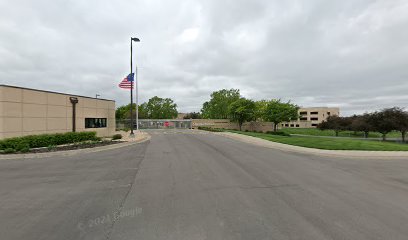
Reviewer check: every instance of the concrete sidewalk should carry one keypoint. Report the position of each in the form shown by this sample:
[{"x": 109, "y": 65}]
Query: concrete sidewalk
[{"x": 314, "y": 151}]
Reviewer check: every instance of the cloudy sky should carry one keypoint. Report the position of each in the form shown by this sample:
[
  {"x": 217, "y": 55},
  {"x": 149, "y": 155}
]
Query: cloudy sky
[{"x": 347, "y": 53}]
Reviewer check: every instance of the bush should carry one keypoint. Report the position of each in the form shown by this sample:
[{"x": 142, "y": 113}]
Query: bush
[
  {"x": 23, "y": 147},
  {"x": 210, "y": 129},
  {"x": 9, "y": 150},
  {"x": 117, "y": 136},
  {"x": 278, "y": 133},
  {"x": 44, "y": 140},
  {"x": 51, "y": 147}
]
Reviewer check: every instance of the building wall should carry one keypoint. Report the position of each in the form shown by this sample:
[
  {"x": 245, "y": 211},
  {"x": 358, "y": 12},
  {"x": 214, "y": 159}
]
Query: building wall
[
  {"x": 28, "y": 112},
  {"x": 311, "y": 117}
]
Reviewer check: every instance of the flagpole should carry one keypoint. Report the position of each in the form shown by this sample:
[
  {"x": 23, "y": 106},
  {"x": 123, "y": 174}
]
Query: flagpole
[
  {"x": 131, "y": 89},
  {"x": 137, "y": 99}
]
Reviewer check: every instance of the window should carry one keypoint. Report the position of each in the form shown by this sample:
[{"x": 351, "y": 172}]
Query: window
[
  {"x": 95, "y": 122},
  {"x": 314, "y": 125},
  {"x": 286, "y": 125},
  {"x": 303, "y": 113},
  {"x": 292, "y": 125},
  {"x": 297, "y": 125},
  {"x": 314, "y": 119},
  {"x": 314, "y": 113},
  {"x": 328, "y": 113},
  {"x": 303, "y": 119}
]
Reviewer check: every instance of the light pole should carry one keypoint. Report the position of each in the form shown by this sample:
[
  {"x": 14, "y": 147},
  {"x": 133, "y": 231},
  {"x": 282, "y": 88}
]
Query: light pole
[{"x": 131, "y": 85}]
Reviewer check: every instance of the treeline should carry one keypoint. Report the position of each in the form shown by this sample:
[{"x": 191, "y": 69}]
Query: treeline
[
  {"x": 155, "y": 108},
  {"x": 228, "y": 104},
  {"x": 384, "y": 122}
]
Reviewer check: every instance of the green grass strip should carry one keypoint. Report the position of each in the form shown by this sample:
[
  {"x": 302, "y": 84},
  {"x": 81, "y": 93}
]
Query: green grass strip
[{"x": 330, "y": 143}]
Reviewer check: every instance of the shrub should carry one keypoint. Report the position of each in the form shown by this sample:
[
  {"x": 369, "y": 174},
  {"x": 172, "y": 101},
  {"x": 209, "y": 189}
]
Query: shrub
[
  {"x": 117, "y": 136},
  {"x": 210, "y": 129},
  {"x": 9, "y": 150},
  {"x": 23, "y": 147},
  {"x": 278, "y": 133},
  {"x": 51, "y": 147},
  {"x": 44, "y": 140}
]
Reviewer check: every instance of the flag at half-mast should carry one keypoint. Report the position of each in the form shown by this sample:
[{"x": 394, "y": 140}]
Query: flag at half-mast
[{"x": 127, "y": 82}]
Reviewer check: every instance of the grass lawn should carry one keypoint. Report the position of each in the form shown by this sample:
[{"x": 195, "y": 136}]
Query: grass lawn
[
  {"x": 317, "y": 132},
  {"x": 330, "y": 143}
]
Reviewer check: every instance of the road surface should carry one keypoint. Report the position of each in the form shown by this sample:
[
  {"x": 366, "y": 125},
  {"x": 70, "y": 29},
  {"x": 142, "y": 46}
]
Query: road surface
[{"x": 196, "y": 185}]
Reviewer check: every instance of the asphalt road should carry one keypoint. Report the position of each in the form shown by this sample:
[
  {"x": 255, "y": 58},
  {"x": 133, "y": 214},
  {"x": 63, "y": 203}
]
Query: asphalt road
[{"x": 184, "y": 185}]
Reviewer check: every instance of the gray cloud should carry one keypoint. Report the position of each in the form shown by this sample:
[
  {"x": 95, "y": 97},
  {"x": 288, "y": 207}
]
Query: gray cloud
[{"x": 350, "y": 54}]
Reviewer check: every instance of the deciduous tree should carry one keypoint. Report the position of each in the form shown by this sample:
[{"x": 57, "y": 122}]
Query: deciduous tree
[
  {"x": 161, "y": 108},
  {"x": 336, "y": 124},
  {"x": 242, "y": 110},
  {"x": 360, "y": 123},
  {"x": 217, "y": 107},
  {"x": 277, "y": 112}
]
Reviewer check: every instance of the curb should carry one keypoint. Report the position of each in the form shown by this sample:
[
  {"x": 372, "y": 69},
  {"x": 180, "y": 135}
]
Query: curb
[
  {"x": 73, "y": 152},
  {"x": 313, "y": 151}
]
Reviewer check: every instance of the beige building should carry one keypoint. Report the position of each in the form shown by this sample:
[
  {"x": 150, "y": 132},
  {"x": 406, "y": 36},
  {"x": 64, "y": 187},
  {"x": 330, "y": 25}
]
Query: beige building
[
  {"x": 25, "y": 111},
  {"x": 311, "y": 117}
]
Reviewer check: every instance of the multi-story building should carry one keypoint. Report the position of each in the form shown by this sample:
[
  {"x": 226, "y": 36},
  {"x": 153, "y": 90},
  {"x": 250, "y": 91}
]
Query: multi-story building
[
  {"x": 311, "y": 117},
  {"x": 25, "y": 111}
]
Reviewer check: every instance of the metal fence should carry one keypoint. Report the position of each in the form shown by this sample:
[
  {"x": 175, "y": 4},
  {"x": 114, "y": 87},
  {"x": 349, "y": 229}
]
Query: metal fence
[{"x": 156, "y": 123}]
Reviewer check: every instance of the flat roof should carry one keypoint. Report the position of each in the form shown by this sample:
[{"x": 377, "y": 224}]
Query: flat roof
[{"x": 38, "y": 90}]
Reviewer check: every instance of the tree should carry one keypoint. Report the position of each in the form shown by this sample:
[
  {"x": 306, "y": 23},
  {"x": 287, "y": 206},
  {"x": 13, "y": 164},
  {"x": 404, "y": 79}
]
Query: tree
[
  {"x": 335, "y": 123},
  {"x": 123, "y": 112},
  {"x": 160, "y": 108},
  {"x": 260, "y": 108},
  {"x": 361, "y": 123},
  {"x": 242, "y": 110},
  {"x": 277, "y": 112},
  {"x": 192, "y": 115},
  {"x": 398, "y": 118},
  {"x": 383, "y": 122},
  {"x": 217, "y": 107}
]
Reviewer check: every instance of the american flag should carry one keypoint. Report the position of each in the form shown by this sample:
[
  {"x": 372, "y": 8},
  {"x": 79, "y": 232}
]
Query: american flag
[{"x": 127, "y": 82}]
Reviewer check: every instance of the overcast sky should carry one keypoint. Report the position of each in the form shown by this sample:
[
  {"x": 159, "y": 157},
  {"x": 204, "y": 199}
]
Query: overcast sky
[{"x": 347, "y": 53}]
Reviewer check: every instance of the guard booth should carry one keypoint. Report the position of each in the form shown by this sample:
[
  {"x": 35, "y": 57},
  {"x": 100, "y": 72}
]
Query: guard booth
[{"x": 165, "y": 124}]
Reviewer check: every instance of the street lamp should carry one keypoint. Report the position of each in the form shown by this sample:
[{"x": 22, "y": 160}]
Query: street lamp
[{"x": 132, "y": 39}]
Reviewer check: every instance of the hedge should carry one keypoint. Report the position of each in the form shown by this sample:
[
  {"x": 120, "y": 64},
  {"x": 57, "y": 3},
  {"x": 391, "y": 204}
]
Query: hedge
[
  {"x": 44, "y": 140},
  {"x": 211, "y": 129},
  {"x": 278, "y": 133}
]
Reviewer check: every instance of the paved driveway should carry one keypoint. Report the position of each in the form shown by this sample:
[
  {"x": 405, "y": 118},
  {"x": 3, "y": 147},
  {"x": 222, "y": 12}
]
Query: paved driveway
[{"x": 195, "y": 185}]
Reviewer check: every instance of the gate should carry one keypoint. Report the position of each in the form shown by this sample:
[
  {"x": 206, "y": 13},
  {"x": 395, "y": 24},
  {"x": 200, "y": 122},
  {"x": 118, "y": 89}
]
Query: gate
[
  {"x": 165, "y": 123},
  {"x": 156, "y": 124}
]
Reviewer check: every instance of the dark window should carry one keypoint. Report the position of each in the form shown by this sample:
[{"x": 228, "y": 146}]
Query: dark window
[
  {"x": 314, "y": 118},
  {"x": 328, "y": 113},
  {"x": 292, "y": 125},
  {"x": 297, "y": 125},
  {"x": 303, "y": 113},
  {"x": 95, "y": 122},
  {"x": 314, "y": 125},
  {"x": 303, "y": 119},
  {"x": 314, "y": 113}
]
